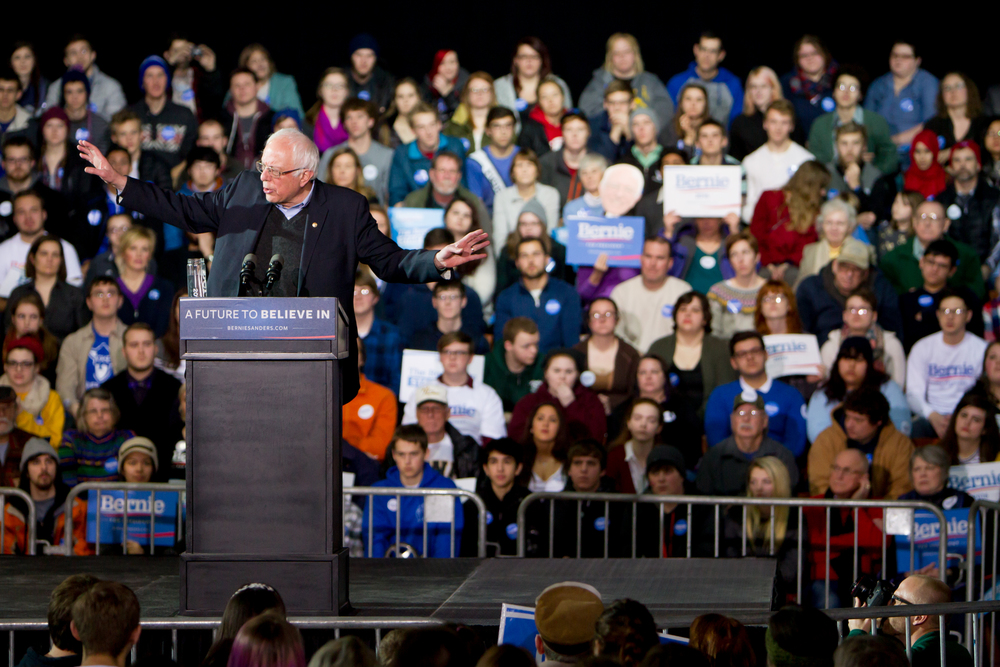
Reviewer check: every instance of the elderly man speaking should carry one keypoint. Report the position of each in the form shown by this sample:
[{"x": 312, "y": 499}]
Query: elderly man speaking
[{"x": 321, "y": 230}]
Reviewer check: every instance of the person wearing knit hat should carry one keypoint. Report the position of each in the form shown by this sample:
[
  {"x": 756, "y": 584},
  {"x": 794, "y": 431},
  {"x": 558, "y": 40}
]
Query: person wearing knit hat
[
  {"x": 509, "y": 202},
  {"x": 532, "y": 221},
  {"x": 970, "y": 202},
  {"x": 36, "y": 447},
  {"x": 646, "y": 151},
  {"x": 40, "y": 409},
  {"x": 566, "y": 617},
  {"x": 169, "y": 129},
  {"x": 368, "y": 81},
  {"x": 801, "y": 637},
  {"x": 137, "y": 460}
]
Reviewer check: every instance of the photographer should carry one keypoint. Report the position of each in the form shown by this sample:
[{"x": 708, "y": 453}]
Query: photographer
[{"x": 925, "y": 633}]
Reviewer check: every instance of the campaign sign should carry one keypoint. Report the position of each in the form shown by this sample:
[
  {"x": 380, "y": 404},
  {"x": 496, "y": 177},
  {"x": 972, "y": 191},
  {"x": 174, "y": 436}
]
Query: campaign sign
[
  {"x": 112, "y": 515},
  {"x": 410, "y": 225},
  {"x": 259, "y": 318},
  {"x": 696, "y": 191},
  {"x": 619, "y": 238},
  {"x": 422, "y": 367},
  {"x": 791, "y": 354},
  {"x": 979, "y": 480},
  {"x": 927, "y": 529}
]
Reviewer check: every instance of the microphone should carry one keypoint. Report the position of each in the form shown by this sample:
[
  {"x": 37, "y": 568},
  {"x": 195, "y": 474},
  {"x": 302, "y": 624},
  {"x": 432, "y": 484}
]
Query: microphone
[
  {"x": 248, "y": 270},
  {"x": 274, "y": 271}
]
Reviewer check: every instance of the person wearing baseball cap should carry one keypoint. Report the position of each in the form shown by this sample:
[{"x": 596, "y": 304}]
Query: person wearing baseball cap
[
  {"x": 450, "y": 452},
  {"x": 968, "y": 201},
  {"x": 566, "y": 617},
  {"x": 723, "y": 470},
  {"x": 821, "y": 298}
]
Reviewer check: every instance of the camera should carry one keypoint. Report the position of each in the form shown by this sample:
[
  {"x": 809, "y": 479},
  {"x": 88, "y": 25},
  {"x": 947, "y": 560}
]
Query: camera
[
  {"x": 873, "y": 592},
  {"x": 197, "y": 52}
]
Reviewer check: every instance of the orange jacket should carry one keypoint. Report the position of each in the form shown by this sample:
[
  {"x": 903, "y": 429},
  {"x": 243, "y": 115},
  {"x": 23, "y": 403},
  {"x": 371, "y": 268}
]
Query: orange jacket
[
  {"x": 15, "y": 533},
  {"x": 370, "y": 419}
]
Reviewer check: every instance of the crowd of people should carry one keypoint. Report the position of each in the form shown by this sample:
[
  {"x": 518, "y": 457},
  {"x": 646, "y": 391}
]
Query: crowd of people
[
  {"x": 95, "y": 622},
  {"x": 870, "y": 220}
]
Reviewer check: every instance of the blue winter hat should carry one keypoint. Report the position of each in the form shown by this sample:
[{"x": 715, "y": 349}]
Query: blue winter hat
[
  {"x": 73, "y": 75},
  {"x": 287, "y": 113},
  {"x": 153, "y": 61},
  {"x": 363, "y": 41}
]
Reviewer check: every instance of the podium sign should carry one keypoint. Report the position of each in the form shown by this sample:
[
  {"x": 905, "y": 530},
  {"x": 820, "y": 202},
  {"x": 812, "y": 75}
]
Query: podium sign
[{"x": 263, "y": 470}]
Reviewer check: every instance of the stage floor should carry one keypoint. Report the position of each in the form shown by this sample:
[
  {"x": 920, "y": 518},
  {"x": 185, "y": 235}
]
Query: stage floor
[{"x": 463, "y": 590}]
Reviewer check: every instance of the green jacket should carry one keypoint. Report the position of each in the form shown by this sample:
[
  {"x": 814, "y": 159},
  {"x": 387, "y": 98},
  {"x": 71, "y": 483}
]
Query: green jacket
[
  {"x": 902, "y": 269},
  {"x": 880, "y": 143},
  {"x": 511, "y": 387},
  {"x": 926, "y": 651}
]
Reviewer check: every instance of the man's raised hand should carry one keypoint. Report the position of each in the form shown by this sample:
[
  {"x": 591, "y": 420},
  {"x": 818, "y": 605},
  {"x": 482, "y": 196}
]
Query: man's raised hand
[
  {"x": 100, "y": 166},
  {"x": 466, "y": 249}
]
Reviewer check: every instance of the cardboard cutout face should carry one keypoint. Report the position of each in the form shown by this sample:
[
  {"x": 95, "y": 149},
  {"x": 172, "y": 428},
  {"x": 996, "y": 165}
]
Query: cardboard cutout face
[{"x": 620, "y": 189}]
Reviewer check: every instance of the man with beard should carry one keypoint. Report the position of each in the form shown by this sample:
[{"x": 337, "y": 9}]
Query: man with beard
[
  {"x": 850, "y": 173},
  {"x": 12, "y": 439},
  {"x": 40, "y": 479},
  {"x": 971, "y": 205}
]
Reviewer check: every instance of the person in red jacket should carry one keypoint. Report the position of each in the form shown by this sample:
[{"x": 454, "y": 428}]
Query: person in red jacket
[
  {"x": 784, "y": 221},
  {"x": 848, "y": 481},
  {"x": 562, "y": 385}
]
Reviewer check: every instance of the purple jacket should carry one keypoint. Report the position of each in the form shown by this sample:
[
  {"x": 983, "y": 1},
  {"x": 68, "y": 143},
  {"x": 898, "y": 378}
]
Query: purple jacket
[{"x": 589, "y": 292}]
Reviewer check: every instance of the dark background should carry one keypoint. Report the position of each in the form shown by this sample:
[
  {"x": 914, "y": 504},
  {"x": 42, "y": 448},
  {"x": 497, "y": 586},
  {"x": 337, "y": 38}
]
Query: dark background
[{"x": 304, "y": 39}]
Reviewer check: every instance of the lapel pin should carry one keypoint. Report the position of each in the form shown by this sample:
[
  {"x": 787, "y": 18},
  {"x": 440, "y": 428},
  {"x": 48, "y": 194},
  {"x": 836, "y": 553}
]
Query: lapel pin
[{"x": 315, "y": 224}]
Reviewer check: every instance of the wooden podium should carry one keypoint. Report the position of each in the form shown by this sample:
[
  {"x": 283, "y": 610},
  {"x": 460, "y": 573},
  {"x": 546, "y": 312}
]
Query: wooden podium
[{"x": 264, "y": 496}]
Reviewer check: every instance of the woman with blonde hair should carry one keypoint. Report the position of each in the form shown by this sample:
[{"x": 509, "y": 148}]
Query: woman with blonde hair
[
  {"x": 746, "y": 134},
  {"x": 784, "y": 221},
  {"x": 771, "y": 531},
  {"x": 146, "y": 297},
  {"x": 468, "y": 123},
  {"x": 623, "y": 60}
]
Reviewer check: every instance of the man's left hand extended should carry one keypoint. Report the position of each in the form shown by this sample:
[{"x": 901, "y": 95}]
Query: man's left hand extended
[{"x": 466, "y": 249}]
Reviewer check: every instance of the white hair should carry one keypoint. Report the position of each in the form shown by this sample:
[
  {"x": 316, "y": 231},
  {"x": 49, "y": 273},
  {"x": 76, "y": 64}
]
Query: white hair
[
  {"x": 837, "y": 204},
  {"x": 591, "y": 160},
  {"x": 304, "y": 152},
  {"x": 626, "y": 171}
]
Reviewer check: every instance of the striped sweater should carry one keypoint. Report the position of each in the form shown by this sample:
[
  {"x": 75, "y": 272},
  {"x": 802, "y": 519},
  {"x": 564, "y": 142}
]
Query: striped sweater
[{"x": 87, "y": 458}]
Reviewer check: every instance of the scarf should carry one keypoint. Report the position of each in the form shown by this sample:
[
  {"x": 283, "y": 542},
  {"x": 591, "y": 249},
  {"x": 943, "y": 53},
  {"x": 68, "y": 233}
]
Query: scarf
[
  {"x": 929, "y": 182},
  {"x": 326, "y": 135},
  {"x": 37, "y": 396},
  {"x": 803, "y": 85},
  {"x": 876, "y": 336}
]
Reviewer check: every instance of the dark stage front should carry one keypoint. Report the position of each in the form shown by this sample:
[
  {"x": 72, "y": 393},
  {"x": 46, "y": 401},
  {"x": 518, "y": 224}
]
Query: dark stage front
[{"x": 465, "y": 590}]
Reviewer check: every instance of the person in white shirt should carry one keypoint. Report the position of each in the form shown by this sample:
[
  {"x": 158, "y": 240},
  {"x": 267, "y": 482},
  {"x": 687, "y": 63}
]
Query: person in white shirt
[
  {"x": 770, "y": 166},
  {"x": 29, "y": 218},
  {"x": 646, "y": 302},
  {"x": 476, "y": 409},
  {"x": 942, "y": 367}
]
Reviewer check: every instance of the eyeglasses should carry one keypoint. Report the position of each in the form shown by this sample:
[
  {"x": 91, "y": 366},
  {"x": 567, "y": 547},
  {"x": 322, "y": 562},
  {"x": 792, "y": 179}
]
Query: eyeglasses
[
  {"x": 928, "y": 216},
  {"x": 363, "y": 291},
  {"x": 105, "y": 295},
  {"x": 772, "y": 298},
  {"x": 455, "y": 353},
  {"x": 751, "y": 413},
  {"x": 858, "y": 311},
  {"x": 23, "y": 365},
  {"x": 447, "y": 297},
  {"x": 899, "y": 600},
  {"x": 844, "y": 88},
  {"x": 953, "y": 311},
  {"x": 18, "y": 160},
  {"x": 274, "y": 172},
  {"x": 746, "y": 354},
  {"x": 608, "y": 314}
]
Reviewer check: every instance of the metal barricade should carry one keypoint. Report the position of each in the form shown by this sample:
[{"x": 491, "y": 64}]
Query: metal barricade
[
  {"x": 378, "y": 624},
  {"x": 31, "y": 520},
  {"x": 717, "y": 502},
  {"x": 980, "y": 523},
  {"x": 126, "y": 488},
  {"x": 399, "y": 492}
]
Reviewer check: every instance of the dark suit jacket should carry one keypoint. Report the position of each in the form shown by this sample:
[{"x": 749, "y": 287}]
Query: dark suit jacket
[
  {"x": 155, "y": 419},
  {"x": 340, "y": 234}
]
